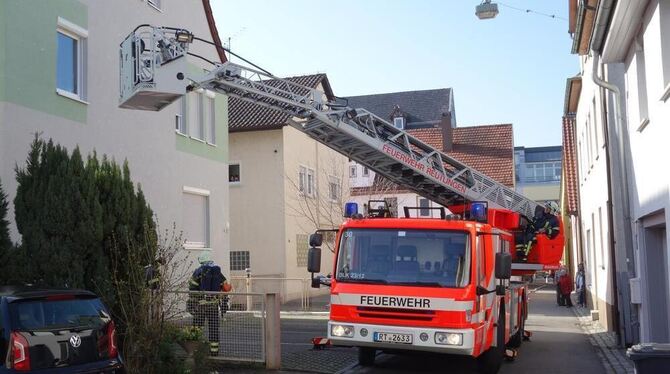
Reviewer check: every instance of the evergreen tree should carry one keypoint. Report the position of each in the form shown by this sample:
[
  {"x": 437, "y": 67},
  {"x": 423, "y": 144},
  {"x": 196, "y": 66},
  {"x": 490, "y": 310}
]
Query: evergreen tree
[
  {"x": 5, "y": 241},
  {"x": 59, "y": 217}
]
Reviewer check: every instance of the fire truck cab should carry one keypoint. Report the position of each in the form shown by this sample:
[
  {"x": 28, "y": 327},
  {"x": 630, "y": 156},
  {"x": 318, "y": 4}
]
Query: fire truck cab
[{"x": 439, "y": 285}]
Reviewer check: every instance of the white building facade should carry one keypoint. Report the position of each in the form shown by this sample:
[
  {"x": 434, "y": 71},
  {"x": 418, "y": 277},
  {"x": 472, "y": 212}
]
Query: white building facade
[
  {"x": 59, "y": 78},
  {"x": 629, "y": 44}
]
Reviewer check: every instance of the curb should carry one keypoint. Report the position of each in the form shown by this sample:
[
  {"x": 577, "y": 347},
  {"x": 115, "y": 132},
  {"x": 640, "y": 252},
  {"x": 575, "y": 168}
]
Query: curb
[{"x": 612, "y": 356}]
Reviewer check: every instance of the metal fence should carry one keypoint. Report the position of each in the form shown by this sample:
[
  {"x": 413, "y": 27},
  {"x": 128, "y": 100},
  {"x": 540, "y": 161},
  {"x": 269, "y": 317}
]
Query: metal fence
[
  {"x": 295, "y": 294},
  {"x": 234, "y": 331}
]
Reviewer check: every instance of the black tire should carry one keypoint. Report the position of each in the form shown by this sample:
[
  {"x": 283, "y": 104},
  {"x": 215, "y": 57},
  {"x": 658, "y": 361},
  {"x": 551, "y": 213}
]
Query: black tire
[
  {"x": 366, "y": 356},
  {"x": 515, "y": 341},
  {"x": 489, "y": 362}
]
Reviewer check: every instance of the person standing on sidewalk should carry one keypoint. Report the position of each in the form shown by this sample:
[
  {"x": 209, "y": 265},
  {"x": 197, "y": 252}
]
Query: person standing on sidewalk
[
  {"x": 566, "y": 286},
  {"x": 580, "y": 284}
]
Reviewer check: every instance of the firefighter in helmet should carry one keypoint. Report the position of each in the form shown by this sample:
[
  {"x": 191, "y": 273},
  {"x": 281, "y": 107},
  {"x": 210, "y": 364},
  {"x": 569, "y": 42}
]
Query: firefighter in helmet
[
  {"x": 205, "y": 307},
  {"x": 546, "y": 223}
]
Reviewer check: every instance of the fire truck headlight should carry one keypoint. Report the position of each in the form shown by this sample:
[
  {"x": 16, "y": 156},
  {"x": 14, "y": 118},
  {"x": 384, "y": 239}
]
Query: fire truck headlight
[
  {"x": 342, "y": 331},
  {"x": 448, "y": 338}
]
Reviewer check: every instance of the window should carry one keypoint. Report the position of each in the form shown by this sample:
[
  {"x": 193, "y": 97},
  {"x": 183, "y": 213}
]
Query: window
[
  {"x": 399, "y": 122},
  {"x": 352, "y": 171},
  {"x": 199, "y": 110},
  {"x": 602, "y": 241},
  {"x": 234, "y": 173},
  {"x": 424, "y": 204},
  {"x": 239, "y": 260},
  {"x": 642, "y": 89},
  {"x": 542, "y": 171},
  {"x": 404, "y": 257},
  {"x": 481, "y": 262},
  {"x": 306, "y": 181},
  {"x": 334, "y": 188},
  {"x": 179, "y": 120},
  {"x": 195, "y": 217},
  {"x": 589, "y": 141},
  {"x": 301, "y": 248},
  {"x": 71, "y": 60},
  {"x": 596, "y": 150},
  {"x": 366, "y": 171}
]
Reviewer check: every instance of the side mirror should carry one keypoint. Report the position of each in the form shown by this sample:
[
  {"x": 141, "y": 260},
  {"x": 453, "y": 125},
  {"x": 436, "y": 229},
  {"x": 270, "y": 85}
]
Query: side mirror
[
  {"x": 314, "y": 260},
  {"x": 315, "y": 240},
  {"x": 503, "y": 265}
]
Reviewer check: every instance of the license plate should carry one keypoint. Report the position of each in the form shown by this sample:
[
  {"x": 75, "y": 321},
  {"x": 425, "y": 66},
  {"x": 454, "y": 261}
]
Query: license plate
[{"x": 388, "y": 337}]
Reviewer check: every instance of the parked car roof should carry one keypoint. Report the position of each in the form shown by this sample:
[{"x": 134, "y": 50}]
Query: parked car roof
[{"x": 33, "y": 291}]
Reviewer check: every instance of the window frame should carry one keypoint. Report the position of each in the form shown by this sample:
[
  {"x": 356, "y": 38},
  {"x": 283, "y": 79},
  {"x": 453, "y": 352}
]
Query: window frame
[
  {"x": 353, "y": 171},
  {"x": 399, "y": 120},
  {"x": 235, "y": 261},
  {"x": 208, "y": 219},
  {"x": 306, "y": 181},
  {"x": 80, "y": 36},
  {"x": 239, "y": 172},
  {"x": 366, "y": 172},
  {"x": 334, "y": 181},
  {"x": 427, "y": 209}
]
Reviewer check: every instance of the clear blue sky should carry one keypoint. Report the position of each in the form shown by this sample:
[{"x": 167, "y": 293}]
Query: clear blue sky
[{"x": 511, "y": 69}]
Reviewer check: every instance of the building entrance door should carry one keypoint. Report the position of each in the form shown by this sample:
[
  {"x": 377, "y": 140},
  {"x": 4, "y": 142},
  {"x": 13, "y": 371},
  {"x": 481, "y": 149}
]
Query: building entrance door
[{"x": 656, "y": 272}]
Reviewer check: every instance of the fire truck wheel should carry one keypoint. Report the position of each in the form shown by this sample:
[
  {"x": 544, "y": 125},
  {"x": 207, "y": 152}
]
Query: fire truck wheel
[
  {"x": 515, "y": 341},
  {"x": 489, "y": 362},
  {"x": 366, "y": 356}
]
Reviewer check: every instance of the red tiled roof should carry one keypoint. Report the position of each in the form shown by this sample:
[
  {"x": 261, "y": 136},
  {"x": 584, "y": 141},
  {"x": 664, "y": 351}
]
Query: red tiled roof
[
  {"x": 570, "y": 165},
  {"x": 212, "y": 29},
  {"x": 488, "y": 149},
  {"x": 248, "y": 116}
]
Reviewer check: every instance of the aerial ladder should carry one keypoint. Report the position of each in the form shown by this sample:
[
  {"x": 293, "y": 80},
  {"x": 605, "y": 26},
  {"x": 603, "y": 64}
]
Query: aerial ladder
[{"x": 154, "y": 73}]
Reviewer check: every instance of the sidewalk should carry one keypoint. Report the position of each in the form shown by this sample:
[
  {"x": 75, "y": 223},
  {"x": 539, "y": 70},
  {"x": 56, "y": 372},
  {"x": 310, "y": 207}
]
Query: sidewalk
[{"x": 612, "y": 356}]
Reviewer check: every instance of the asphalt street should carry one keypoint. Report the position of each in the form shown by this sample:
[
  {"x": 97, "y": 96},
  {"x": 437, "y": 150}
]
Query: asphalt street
[{"x": 558, "y": 345}]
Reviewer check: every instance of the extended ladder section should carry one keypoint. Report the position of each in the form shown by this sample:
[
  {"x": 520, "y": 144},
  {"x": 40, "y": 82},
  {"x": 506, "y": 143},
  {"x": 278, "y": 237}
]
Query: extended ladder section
[
  {"x": 355, "y": 133},
  {"x": 368, "y": 140}
]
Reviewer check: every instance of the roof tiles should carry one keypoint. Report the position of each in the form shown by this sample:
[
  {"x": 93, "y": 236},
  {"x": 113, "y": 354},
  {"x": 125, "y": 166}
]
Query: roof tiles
[
  {"x": 247, "y": 116},
  {"x": 570, "y": 165}
]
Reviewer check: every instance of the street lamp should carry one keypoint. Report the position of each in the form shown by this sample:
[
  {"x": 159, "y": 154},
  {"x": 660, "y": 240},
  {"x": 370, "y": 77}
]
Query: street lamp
[{"x": 486, "y": 10}]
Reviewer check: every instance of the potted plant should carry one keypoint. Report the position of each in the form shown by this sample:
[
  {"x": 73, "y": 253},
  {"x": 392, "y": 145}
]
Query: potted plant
[{"x": 189, "y": 338}]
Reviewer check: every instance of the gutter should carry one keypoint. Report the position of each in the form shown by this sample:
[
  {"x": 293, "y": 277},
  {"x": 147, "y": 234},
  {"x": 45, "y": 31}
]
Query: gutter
[{"x": 581, "y": 11}]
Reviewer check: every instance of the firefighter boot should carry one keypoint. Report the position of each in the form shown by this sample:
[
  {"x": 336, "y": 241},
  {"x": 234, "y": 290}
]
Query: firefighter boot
[{"x": 214, "y": 348}]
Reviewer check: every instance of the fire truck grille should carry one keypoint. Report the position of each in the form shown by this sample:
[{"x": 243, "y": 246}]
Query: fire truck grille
[{"x": 395, "y": 313}]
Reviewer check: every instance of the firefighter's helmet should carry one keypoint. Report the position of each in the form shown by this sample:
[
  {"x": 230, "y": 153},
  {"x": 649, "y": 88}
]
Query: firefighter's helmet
[{"x": 552, "y": 207}]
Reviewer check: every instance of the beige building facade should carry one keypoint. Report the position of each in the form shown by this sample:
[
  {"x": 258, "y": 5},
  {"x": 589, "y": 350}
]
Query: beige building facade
[{"x": 283, "y": 186}]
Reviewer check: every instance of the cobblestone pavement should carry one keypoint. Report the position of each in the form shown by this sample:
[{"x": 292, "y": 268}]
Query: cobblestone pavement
[{"x": 612, "y": 356}]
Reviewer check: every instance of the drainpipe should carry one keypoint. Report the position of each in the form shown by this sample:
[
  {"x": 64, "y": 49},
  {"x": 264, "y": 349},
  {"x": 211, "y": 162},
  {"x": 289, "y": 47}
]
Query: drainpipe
[{"x": 622, "y": 231}]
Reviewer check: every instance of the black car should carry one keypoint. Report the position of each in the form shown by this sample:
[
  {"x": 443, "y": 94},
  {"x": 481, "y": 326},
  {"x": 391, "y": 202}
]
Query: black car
[{"x": 56, "y": 331}]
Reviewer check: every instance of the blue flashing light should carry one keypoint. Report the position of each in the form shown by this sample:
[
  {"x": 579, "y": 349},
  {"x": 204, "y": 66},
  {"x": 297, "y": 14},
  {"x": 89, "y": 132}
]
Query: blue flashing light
[
  {"x": 350, "y": 209},
  {"x": 479, "y": 211}
]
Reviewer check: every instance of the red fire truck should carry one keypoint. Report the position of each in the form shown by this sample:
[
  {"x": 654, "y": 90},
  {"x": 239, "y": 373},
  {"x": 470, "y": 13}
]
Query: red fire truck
[{"x": 438, "y": 285}]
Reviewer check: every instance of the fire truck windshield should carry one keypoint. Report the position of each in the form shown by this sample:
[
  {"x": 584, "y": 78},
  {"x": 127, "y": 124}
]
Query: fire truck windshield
[{"x": 404, "y": 257}]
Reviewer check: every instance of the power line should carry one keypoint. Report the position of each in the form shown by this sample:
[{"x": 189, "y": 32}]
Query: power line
[{"x": 533, "y": 11}]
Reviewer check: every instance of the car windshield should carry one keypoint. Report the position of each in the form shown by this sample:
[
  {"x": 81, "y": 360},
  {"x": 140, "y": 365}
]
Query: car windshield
[
  {"x": 407, "y": 257},
  {"x": 35, "y": 315}
]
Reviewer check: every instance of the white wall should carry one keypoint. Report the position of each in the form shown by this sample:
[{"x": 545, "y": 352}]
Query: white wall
[{"x": 647, "y": 77}]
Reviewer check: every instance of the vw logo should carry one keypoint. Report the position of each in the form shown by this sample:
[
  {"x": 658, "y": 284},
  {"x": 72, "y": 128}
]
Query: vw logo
[{"x": 75, "y": 340}]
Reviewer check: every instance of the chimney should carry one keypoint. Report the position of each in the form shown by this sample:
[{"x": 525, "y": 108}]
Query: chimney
[{"x": 447, "y": 133}]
